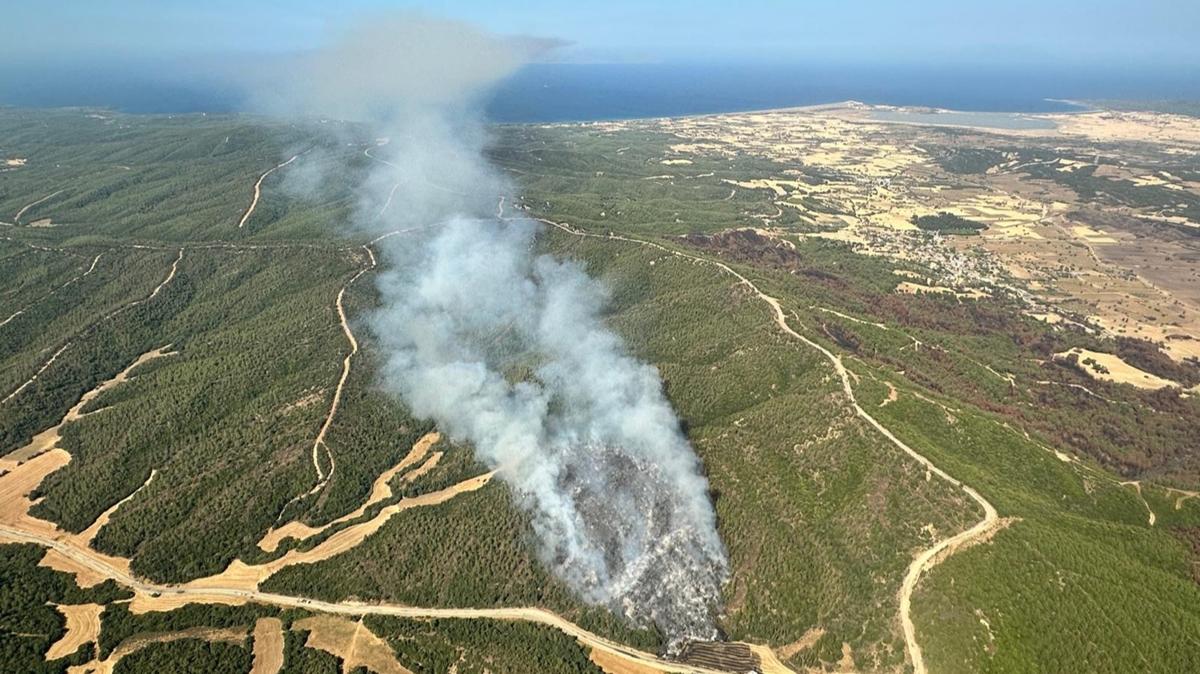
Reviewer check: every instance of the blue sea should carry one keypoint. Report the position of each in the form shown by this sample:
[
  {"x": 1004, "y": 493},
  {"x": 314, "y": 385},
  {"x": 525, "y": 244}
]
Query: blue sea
[{"x": 585, "y": 92}]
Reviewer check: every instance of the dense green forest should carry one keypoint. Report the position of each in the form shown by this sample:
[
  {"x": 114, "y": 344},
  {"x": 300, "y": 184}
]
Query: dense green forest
[
  {"x": 947, "y": 223},
  {"x": 481, "y": 646}
]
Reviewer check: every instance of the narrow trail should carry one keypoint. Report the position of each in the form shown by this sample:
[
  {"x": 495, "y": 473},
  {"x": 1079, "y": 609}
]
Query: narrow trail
[
  {"x": 390, "y": 196},
  {"x": 258, "y": 189},
  {"x": 157, "y": 289},
  {"x": 88, "y": 535},
  {"x": 37, "y": 374},
  {"x": 170, "y": 276},
  {"x": 1137, "y": 486},
  {"x": 53, "y": 292},
  {"x": 929, "y": 557},
  {"x": 423, "y": 181},
  {"x": 154, "y": 293},
  {"x": 214, "y": 591},
  {"x": 26, "y": 207},
  {"x": 1181, "y": 495}
]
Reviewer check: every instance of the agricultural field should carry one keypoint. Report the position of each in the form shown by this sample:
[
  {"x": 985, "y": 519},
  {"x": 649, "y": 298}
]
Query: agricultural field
[{"x": 944, "y": 383}]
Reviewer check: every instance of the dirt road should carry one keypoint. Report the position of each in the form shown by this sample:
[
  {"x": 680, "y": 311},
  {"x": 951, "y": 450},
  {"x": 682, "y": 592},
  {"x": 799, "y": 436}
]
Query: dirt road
[
  {"x": 212, "y": 591},
  {"x": 1137, "y": 486},
  {"x": 90, "y": 269},
  {"x": 258, "y": 190},
  {"x": 158, "y": 288},
  {"x": 48, "y": 197},
  {"x": 154, "y": 293},
  {"x": 43, "y": 368},
  {"x": 323, "y": 477}
]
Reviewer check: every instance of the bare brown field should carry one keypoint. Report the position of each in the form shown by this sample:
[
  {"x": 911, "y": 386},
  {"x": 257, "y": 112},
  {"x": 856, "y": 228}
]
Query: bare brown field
[
  {"x": 248, "y": 577},
  {"x": 351, "y": 641},
  {"x": 613, "y": 664},
  {"x": 1114, "y": 127},
  {"x": 83, "y": 625},
  {"x": 85, "y": 576},
  {"x": 268, "y": 646},
  {"x": 28, "y": 466},
  {"x": 1115, "y": 369},
  {"x": 423, "y": 469}
]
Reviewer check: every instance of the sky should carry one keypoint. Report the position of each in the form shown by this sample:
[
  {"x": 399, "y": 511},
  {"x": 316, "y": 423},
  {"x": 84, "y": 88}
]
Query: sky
[{"x": 849, "y": 31}]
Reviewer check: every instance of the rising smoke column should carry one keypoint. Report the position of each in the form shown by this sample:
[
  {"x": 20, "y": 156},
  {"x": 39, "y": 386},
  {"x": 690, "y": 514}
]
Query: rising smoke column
[{"x": 506, "y": 348}]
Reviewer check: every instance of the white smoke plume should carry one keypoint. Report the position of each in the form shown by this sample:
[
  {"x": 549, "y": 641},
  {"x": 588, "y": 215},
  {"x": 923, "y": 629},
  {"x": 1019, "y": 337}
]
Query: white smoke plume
[{"x": 506, "y": 348}]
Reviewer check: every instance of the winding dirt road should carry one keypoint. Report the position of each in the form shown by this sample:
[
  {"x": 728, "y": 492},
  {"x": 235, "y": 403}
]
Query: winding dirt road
[
  {"x": 165, "y": 282},
  {"x": 1137, "y": 487},
  {"x": 48, "y": 197},
  {"x": 258, "y": 189},
  {"x": 388, "y": 203},
  {"x": 323, "y": 477},
  {"x": 929, "y": 557}
]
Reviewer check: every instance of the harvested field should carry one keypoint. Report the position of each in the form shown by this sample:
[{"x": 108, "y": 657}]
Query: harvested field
[
  {"x": 85, "y": 576},
  {"x": 351, "y": 641},
  {"x": 612, "y": 664},
  {"x": 1108, "y": 367},
  {"x": 721, "y": 656},
  {"x": 83, "y": 625},
  {"x": 242, "y": 575},
  {"x": 268, "y": 646}
]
